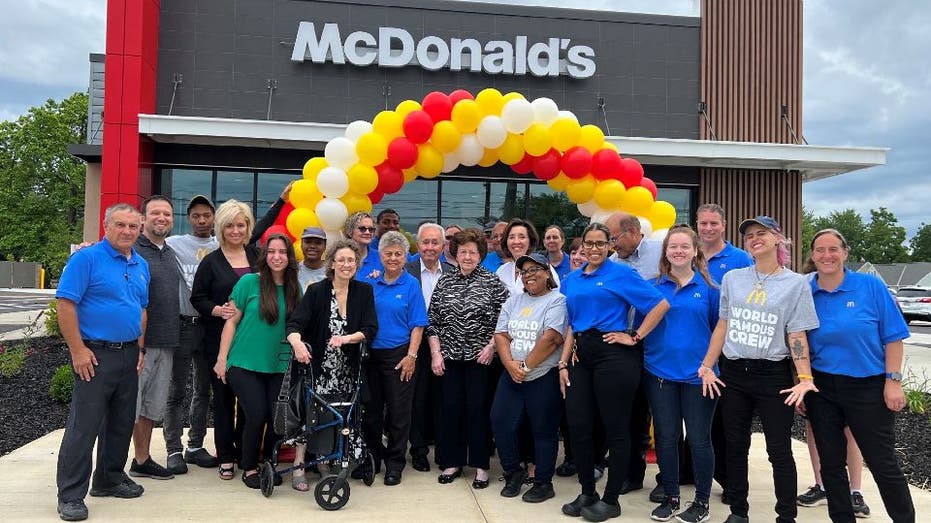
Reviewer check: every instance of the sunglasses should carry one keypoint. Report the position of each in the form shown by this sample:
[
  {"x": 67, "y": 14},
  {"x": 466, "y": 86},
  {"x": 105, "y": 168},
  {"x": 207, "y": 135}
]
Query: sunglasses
[{"x": 365, "y": 229}]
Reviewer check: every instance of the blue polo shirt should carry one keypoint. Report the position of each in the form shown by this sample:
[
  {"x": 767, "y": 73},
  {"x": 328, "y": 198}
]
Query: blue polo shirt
[
  {"x": 675, "y": 348},
  {"x": 728, "y": 259},
  {"x": 600, "y": 299},
  {"x": 400, "y": 308},
  {"x": 492, "y": 261},
  {"x": 857, "y": 319},
  {"x": 109, "y": 290},
  {"x": 562, "y": 269},
  {"x": 371, "y": 263}
]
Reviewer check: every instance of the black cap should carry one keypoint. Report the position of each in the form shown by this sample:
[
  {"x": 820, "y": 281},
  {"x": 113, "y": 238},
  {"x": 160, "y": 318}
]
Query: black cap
[
  {"x": 535, "y": 257},
  {"x": 200, "y": 199}
]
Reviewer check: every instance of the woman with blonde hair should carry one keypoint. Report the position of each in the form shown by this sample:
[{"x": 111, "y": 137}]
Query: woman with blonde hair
[{"x": 360, "y": 228}]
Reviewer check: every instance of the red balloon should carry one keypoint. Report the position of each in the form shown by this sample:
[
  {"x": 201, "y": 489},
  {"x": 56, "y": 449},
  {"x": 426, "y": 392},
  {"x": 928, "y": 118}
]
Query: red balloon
[
  {"x": 576, "y": 162},
  {"x": 276, "y": 229},
  {"x": 524, "y": 166},
  {"x": 418, "y": 126},
  {"x": 282, "y": 218},
  {"x": 546, "y": 167},
  {"x": 606, "y": 164},
  {"x": 460, "y": 94},
  {"x": 631, "y": 172},
  {"x": 376, "y": 196},
  {"x": 402, "y": 153},
  {"x": 649, "y": 185},
  {"x": 390, "y": 179},
  {"x": 438, "y": 106}
]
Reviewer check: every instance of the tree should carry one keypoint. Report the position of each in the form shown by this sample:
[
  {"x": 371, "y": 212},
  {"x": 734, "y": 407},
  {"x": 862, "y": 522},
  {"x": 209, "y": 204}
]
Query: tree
[
  {"x": 848, "y": 223},
  {"x": 552, "y": 209},
  {"x": 41, "y": 185},
  {"x": 920, "y": 244},
  {"x": 808, "y": 231},
  {"x": 884, "y": 238}
]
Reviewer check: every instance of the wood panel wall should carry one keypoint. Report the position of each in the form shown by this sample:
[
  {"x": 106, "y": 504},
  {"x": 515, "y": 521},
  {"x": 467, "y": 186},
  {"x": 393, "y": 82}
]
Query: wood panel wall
[{"x": 751, "y": 55}]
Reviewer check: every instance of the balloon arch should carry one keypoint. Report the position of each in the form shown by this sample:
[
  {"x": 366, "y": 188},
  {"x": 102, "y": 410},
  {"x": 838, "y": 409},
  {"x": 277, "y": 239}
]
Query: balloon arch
[{"x": 443, "y": 132}]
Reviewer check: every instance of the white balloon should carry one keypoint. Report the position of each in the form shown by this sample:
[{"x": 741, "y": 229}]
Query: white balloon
[
  {"x": 568, "y": 114},
  {"x": 545, "y": 110},
  {"x": 333, "y": 182},
  {"x": 450, "y": 162},
  {"x": 332, "y": 214},
  {"x": 357, "y": 129},
  {"x": 601, "y": 216},
  {"x": 470, "y": 150},
  {"x": 659, "y": 234},
  {"x": 588, "y": 208},
  {"x": 491, "y": 132},
  {"x": 341, "y": 152},
  {"x": 517, "y": 115},
  {"x": 646, "y": 227}
]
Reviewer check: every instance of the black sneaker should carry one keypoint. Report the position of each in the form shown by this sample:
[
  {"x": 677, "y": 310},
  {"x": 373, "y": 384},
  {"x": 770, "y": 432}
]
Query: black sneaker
[
  {"x": 200, "y": 457},
  {"x": 539, "y": 493},
  {"x": 813, "y": 497},
  {"x": 566, "y": 469},
  {"x": 860, "y": 508},
  {"x": 125, "y": 489},
  {"x": 176, "y": 464},
  {"x": 149, "y": 469},
  {"x": 513, "y": 481},
  {"x": 658, "y": 494},
  {"x": 72, "y": 510},
  {"x": 697, "y": 512},
  {"x": 667, "y": 509}
]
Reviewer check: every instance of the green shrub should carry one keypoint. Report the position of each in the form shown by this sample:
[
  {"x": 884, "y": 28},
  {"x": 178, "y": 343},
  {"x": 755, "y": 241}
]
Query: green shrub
[
  {"x": 11, "y": 361},
  {"x": 51, "y": 319},
  {"x": 916, "y": 390},
  {"x": 61, "y": 384}
]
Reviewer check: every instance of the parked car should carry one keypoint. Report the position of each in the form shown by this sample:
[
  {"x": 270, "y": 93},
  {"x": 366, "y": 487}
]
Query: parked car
[{"x": 915, "y": 303}]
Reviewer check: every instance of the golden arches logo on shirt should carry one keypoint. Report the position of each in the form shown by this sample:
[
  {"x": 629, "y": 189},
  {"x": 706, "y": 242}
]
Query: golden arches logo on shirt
[
  {"x": 757, "y": 297},
  {"x": 526, "y": 311},
  {"x": 200, "y": 253}
]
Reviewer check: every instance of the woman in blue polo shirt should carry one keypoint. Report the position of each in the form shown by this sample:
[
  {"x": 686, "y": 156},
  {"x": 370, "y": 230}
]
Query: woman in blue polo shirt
[
  {"x": 600, "y": 369},
  {"x": 553, "y": 241},
  {"x": 402, "y": 317},
  {"x": 856, "y": 359},
  {"x": 670, "y": 355},
  {"x": 360, "y": 228}
]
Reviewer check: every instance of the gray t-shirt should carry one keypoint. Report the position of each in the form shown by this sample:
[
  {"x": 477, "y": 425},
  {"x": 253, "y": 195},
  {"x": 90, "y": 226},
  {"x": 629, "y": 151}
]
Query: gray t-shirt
[
  {"x": 525, "y": 318},
  {"x": 760, "y": 316},
  {"x": 190, "y": 250},
  {"x": 307, "y": 276}
]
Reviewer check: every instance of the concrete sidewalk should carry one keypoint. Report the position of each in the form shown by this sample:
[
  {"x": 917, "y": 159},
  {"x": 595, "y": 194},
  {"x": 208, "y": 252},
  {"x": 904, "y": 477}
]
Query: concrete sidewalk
[{"x": 27, "y": 493}]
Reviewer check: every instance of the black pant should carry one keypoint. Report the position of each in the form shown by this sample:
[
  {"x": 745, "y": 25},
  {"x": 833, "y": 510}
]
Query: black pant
[
  {"x": 224, "y": 417},
  {"x": 388, "y": 402},
  {"x": 859, "y": 404},
  {"x": 639, "y": 433},
  {"x": 188, "y": 366},
  {"x": 425, "y": 413},
  {"x": 755, "y": 385},
  {"x": 464, "y": 429},
  {"x": 602, "y": 384},
  {"x": 102, "y": 409},
  {"x": 257, "y": 392}
]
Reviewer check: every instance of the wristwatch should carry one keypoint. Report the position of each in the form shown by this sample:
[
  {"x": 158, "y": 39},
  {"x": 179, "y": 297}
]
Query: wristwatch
[
  {"x": 894, "y": 376},
  {"x": 524, "y": 367}
]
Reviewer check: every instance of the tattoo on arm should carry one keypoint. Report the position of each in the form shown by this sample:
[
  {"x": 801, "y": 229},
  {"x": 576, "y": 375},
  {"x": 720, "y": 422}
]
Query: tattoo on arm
[{"x": 797, "y": 350}]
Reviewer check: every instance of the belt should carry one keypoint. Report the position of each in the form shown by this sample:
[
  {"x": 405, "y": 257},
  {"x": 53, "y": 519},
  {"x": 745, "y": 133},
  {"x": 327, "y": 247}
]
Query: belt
[
  {"x": 98, "y": 344},
  {"x": 190, "y": 320}
]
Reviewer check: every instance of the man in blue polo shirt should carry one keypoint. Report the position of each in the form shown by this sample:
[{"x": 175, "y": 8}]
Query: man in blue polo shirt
[
  {"x": 102, "y": 298},
  {"x": 721, "y": 255}
]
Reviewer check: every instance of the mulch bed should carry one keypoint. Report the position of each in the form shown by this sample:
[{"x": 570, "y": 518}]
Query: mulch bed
[{"x": 27, "y": 412}]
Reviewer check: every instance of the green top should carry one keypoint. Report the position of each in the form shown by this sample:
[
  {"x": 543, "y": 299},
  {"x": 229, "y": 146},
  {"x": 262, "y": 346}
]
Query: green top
[{"x": 257, "y": 344}]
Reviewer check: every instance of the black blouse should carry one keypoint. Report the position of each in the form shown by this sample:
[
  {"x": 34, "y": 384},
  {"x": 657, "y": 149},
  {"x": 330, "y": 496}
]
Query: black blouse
[{"x": 464, "y": 312}]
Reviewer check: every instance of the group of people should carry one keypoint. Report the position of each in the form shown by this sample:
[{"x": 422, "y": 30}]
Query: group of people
[{"x": 481, "y": 343}]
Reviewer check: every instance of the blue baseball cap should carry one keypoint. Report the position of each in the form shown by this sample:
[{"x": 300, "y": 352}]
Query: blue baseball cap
[
  {"x": 535, "y": 257},
  {"x": 313, "y": 232},
  {"x": 761, "y": 220}
]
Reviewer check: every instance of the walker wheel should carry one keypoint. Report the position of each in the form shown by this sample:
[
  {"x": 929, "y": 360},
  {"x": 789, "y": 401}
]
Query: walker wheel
[
  {"x": 267, "y": 478},
  {"x": 369, "y": 476},
  {"x": 331, "y": 493}
]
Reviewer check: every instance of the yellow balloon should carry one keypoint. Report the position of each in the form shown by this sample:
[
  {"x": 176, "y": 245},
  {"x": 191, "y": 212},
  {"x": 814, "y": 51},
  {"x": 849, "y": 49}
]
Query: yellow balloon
[
  {"x": 565, "y": 133},
  {"x": 537, "y": 140},
  {"x": 466, "y": 115},
  {"x": 406, "y": 107},
  {"x": 662, "y": 215},
  {"x": 304, "y": 193},
  {"x": 429, "y": 161},
  {"x": 512, "y": 96},
  {"x": 446, "y": 136},
  {"x": 372, "y": 149},
  {"x": 559, "y": 182},
  {"x": 638, "y": 201},
  {"x": 313, "y": 167},
  {"x": 355, "y": 202},
  {"x": 581, "y": 190},
  {"x": 609, "y": 145},
  {"x": 409, "y": 174},
  {"x": 362, "y": 179},
  {"x": 299, "y": 219},
  {"x": 298, "y": 250},
  {"x": 490, "y": 101},
  {"x": 388, "y": 124},
  {"x": 512, "y": 150},
  {"x": 609, "y": 194},
  {"x": 591, "y": 137},
  {"x": 489, "y": 158}
]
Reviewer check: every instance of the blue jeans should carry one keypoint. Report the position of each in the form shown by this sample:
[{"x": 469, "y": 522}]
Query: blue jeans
[
  {"x": 673, "y": 402},
  {"x": 541, "y": 402}
]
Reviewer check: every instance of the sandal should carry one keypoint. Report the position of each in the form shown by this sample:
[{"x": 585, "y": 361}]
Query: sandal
[
  {"x": 299, "y": 483},
  {"x": 226, "y": 473}
]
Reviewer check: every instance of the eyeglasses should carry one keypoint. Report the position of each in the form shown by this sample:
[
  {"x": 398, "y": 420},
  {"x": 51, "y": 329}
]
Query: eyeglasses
[
  {"x": 365, "y": 229},
  {"x": 600, "y": 244},
  {"x": 531, "y": 271}
]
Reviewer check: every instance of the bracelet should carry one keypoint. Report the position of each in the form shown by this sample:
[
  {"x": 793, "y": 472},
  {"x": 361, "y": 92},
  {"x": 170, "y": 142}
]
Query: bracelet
[
  {"x": 563, "y": 369},
  {"x": 434, "y": 352},
  {"x": 413, "y": 356},
  {"x": 636, "y": 337},
  {"x": 562, "y": 365},
  {"x": 805, "y": 376}
]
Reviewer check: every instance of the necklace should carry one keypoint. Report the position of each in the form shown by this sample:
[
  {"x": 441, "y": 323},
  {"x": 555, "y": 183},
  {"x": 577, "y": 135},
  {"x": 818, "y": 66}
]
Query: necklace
[{"x": 760, "y": 281}]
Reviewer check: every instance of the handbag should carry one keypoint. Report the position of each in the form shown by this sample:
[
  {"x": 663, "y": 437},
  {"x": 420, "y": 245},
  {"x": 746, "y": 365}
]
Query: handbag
[{"x": 288, "y": 415}]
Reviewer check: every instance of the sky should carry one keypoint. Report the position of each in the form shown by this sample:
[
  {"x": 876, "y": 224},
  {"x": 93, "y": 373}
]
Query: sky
[{"x": 867, "y": 82}]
